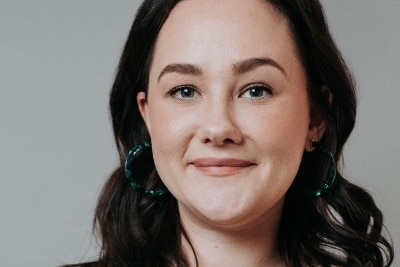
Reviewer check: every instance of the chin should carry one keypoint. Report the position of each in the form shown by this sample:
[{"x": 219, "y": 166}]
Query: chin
[{"x": 233, "y": 214}]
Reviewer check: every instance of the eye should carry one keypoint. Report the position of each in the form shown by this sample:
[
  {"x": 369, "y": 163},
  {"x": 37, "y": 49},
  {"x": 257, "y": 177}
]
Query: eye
[
  {"x": 183, "y": 92},
  {"x": 256, "y": 91}
]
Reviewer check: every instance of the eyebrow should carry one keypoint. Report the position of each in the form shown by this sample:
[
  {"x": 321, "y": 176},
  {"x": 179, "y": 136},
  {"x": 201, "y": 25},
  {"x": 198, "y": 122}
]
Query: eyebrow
[
  {"x": 253, "y": 63},
  {"x": 240, "y": 67},
  {"x": 188, "y": 69}
]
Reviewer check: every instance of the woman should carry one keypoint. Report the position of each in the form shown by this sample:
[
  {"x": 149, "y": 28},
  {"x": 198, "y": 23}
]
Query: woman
[{"x": 229, "y": 117}]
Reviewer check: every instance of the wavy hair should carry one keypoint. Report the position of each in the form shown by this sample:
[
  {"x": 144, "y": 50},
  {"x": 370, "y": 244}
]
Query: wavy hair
[{"x": 341, "y": 228}]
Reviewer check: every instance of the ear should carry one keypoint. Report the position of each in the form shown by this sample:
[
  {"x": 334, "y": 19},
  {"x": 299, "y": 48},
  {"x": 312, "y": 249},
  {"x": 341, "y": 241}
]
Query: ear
[
  {"x": 316, "y": 131},
  {"x": 143, "y": 108},
  {"x": 317, "y": 125}
]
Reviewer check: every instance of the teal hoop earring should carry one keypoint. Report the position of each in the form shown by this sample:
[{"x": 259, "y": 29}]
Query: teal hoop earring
[
  {"x": 331, "y": 171},
  {"x": 133, "y": 154}
]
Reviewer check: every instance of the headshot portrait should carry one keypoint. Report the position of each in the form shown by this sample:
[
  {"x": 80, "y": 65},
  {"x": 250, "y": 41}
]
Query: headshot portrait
[{"x": 188, "y": 133}]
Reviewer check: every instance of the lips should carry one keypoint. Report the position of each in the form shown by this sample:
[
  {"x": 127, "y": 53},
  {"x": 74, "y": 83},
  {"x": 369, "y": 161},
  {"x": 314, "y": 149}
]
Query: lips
[{"x": 221, "y": 167}]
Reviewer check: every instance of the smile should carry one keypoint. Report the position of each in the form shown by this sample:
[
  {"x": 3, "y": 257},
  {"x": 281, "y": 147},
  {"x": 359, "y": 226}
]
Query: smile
[{"x": 221, "y": 167}]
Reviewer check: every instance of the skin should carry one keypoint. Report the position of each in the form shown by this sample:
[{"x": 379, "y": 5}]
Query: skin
[{"x": 229, "y": 119}]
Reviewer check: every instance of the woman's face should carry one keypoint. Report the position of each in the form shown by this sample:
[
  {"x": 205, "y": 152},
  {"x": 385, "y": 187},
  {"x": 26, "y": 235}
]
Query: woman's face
[{"x": 227, "y": 110}]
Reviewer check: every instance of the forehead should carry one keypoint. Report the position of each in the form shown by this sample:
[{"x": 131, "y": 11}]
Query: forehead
[
  {"x": 233, "y": 8},
  {"x": 225, "y": 29}
]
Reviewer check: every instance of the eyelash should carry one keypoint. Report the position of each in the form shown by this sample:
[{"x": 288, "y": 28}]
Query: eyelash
[
  {"x": 174, "y": 91},
  {"x": 267, "y": 90}
]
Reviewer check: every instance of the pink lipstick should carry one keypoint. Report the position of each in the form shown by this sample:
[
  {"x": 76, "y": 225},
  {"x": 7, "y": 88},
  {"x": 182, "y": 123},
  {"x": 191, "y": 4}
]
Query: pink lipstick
[{"x": 221, "y": 166}]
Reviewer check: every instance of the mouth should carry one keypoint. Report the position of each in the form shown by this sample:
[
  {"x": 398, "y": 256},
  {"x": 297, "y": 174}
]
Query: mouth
[{"x": 220, "y": 167}]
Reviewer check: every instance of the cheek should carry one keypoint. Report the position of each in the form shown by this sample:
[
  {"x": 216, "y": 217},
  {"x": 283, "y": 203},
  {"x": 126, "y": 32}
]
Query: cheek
[
  {"x": 171, "y": 131},
  {"x": 169, "y": 128},
  {"x": 281, "y": 133},
  {"x": 285, "y": 125},
  {"x": 296, "y": 121}
]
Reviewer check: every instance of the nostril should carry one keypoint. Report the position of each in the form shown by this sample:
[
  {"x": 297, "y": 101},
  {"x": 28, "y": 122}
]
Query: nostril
[
  {"x": 220, "y": 135},
  {"x": 228, "y": 140},
  {"x": 219, "y": 141}
]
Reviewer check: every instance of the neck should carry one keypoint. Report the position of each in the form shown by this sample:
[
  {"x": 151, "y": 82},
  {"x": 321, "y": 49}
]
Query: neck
[{"x": 252, "y": 245}]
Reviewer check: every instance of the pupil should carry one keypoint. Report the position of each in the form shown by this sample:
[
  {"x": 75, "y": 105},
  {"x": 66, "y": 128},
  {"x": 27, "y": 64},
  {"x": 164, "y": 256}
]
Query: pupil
[
  {"x": 187, "y": 92},
  {"x": 255, "y": 92}
]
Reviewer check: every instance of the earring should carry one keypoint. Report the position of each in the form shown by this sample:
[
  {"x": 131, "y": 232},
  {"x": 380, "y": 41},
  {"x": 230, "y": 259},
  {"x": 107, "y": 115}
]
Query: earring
[
  {"x": 135, "y": 153},
  {"x": 331, "y": 170}
]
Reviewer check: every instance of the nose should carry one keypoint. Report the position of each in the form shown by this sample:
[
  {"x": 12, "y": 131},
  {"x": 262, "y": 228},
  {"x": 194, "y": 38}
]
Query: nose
[{"x": 219, "y": 126}]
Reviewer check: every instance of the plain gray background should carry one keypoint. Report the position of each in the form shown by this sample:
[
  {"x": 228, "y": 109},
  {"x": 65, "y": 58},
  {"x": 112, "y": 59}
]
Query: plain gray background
[{"x": 57, "y": 63}]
